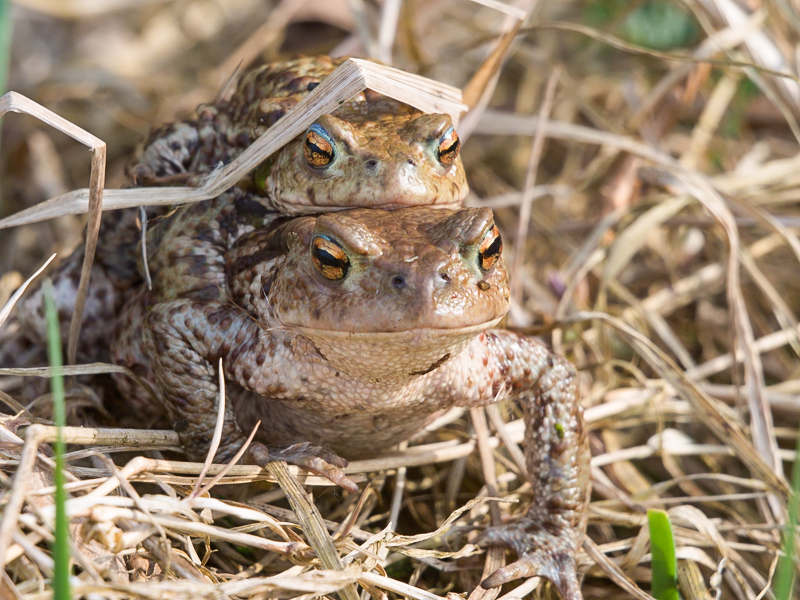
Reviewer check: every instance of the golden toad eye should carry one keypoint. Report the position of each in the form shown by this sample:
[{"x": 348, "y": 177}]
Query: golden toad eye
[
  {"x": 449, "y": 147},
  {"x": 318, "y": 147},
  {"x": 329, "y": 258},
  {"x": 491, "y": 249}
]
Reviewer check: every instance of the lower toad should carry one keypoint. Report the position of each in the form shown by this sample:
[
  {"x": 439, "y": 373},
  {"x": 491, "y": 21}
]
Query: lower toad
[{"x": 349, "y": 331}]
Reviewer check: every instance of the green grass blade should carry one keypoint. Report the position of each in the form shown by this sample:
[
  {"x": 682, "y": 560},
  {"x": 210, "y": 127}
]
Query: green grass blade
[
  {"x": 783, "y": 585},
  {"x": 5, "y": 43},
  {"x": 664, "y": 564},
  {"x": 61, "y": 554},
  {"x": 6, "y": 29}
]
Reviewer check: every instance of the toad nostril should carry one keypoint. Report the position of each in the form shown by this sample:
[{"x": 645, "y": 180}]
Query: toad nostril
[
  {"x": 371, "y": 163},
  {"x": 398, "y": 282},
  {"x": 445, "y": 277},
  {"x": 412, "y": 162}
]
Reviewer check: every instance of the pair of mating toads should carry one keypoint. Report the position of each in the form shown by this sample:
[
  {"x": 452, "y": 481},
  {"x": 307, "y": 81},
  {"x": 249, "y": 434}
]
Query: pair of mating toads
[{"x": 343, "y": 332}]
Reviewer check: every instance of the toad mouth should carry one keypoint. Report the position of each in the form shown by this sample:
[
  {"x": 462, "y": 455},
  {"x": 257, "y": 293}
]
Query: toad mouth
[{"x": 388, "y": 335}]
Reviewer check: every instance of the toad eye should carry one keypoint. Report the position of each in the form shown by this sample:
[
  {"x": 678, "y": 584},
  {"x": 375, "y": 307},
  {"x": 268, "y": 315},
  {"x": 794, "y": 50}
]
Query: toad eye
[
  {"x": 491, "y": 249},
  {"x": 449, "y": 147},
  {"x": 318, "y": 147},
  {"x": 329, "y": 258}
]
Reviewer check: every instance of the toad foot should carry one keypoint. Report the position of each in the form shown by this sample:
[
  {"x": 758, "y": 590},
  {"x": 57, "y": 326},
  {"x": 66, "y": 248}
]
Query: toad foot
[
  {"x": 316, "y": 459},
  {"x": 540, "y": 552}
]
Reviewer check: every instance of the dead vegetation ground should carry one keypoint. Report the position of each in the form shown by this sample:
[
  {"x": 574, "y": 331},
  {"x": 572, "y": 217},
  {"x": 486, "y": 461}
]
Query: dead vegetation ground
[{"x": 651, "y": 234}]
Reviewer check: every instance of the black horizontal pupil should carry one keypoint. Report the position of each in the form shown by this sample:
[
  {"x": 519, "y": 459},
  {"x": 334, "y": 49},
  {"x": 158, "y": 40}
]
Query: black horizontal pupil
[
  {"x": 329, "y": 260},
  {"x": 450, "y": 149},
  {"x": 494, "y": 248},
  {"x": 317, "y": 150}
]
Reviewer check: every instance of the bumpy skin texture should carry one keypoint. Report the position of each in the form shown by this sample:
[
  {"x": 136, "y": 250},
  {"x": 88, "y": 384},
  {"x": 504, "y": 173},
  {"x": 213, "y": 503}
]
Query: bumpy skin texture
[
  {"x": 384, "y": 154},
  {"x": 358, "y": 363}
]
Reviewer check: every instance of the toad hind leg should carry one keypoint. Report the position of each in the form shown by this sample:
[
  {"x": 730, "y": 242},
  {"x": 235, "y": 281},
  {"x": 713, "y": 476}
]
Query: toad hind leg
[{"x": 184, "y": 339}]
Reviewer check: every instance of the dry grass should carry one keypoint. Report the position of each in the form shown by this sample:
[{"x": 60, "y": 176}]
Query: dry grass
[{"x": 652, "y": 199}]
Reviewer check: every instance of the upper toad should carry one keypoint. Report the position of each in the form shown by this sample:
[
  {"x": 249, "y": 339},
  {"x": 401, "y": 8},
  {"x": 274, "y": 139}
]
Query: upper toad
[{"x": 372, "y": 151}]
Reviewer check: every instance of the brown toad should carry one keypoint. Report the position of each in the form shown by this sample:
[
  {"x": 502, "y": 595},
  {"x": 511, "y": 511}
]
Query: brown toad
[
  {"x": 372, "y": 151},
  {"x": 349, "y": 331}
]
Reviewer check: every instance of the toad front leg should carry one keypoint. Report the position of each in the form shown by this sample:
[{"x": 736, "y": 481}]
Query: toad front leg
[
  {"x": 184, "y": 340},
  {"x": 556, "y": 452}
]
